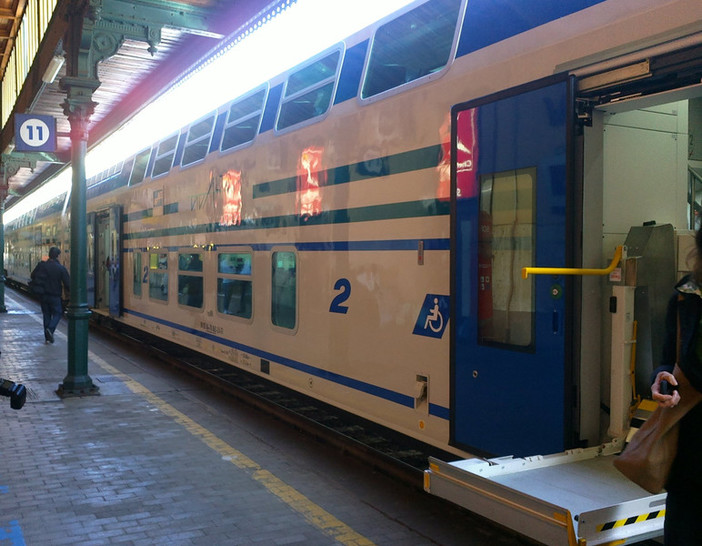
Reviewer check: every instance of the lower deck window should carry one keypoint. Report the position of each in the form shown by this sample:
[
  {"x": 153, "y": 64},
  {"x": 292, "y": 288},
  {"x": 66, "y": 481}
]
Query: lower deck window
[
  {"x": 190, "y": 290},
  {"x": 234, "y": 297},
  {"x": 234, "y": 284},
  {"x": 158, "y": 276},
  {"x": 136, "y": 282},
  {"x": 190, "y": 286},
  {"x": 284, "y": 289}
]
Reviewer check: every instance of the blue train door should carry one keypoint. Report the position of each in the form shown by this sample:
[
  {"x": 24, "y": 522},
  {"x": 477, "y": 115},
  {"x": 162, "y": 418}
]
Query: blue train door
[{"x": 510, "y": 365}]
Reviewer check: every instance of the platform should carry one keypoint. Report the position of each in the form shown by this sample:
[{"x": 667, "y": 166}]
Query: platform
[{"x": 158, "y": 458}]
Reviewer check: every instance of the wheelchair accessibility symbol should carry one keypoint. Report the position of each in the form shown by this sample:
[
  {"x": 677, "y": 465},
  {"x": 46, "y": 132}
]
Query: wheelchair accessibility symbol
[{"x": 433, "y": 316}]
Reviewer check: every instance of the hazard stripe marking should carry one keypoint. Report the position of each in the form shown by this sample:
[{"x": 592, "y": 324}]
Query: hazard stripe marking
[{"x": 630, "y": 521}]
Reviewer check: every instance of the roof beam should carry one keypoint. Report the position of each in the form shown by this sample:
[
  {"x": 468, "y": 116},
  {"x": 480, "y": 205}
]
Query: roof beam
[{"x": 107, "y": 23}]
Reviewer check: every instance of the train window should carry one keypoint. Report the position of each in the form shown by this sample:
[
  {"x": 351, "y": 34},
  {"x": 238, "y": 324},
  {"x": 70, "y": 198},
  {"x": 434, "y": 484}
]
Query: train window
[
  {"x": 415, "y": 45},
  {"x": 190, "y": 262},
  {"x": 234, "y": 285},
  {"x": 309, "y": 91},
  {"x": 164, "y": 155},
  {"x": 141, "y": 161},
  {"x": 506, "y": 242},
  {"x": 158, "y": 276},
  {"x": 243, "y": 120},
  {"x": 136, "y": 270},
  {"x": 190, "y": 287},
  {"x": 198, "y": 140},
  {"x": 284, "y": 289}
]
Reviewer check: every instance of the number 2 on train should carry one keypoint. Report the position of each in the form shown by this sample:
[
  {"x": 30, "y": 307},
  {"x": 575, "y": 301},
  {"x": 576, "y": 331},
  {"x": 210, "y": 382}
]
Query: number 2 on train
[{"x": 344, "y": 287}]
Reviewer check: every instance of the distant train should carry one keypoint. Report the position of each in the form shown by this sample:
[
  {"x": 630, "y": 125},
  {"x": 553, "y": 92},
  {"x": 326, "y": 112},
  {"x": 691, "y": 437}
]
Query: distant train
[{"x": 356, "y": 227}]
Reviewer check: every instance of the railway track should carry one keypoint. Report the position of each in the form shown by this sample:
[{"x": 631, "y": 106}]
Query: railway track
[{"x": 388, "y": 451}]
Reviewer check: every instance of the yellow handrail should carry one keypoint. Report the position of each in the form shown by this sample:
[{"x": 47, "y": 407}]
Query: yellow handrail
[{"x": 572, "y": 270}]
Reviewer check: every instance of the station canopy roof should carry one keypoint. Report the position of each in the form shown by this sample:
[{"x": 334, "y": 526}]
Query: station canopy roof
[{"x": 129, "y": 79}]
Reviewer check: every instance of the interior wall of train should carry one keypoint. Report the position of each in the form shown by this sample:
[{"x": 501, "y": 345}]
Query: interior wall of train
[{"x": 641, "y": 168}]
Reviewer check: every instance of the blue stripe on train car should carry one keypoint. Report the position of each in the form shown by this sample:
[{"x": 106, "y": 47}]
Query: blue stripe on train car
[{"x": 361, "y": 386}]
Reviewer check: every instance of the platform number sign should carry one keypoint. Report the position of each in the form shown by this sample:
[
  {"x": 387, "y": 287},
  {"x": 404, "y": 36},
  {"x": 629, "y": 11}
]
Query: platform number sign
[{"x": 35, "y": 133}]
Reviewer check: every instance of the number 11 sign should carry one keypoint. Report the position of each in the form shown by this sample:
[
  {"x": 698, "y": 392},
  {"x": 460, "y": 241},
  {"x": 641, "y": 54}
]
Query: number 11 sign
[{"x": 35, "y": 133}]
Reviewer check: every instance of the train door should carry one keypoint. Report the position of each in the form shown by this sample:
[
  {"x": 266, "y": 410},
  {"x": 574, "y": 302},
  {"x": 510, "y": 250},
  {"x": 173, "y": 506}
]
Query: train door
[
  {"x": 510, "y": 364},
  {"x": 107, "y": 270}
]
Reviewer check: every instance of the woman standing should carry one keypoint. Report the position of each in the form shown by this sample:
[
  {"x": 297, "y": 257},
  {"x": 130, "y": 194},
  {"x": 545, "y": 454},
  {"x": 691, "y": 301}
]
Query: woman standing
[{"x": 683, "y": 517}]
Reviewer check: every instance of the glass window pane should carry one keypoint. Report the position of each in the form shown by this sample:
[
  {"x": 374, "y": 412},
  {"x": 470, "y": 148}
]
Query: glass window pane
[
  {"x": 240, "y": 133},
  {"x": 307, "y": 106},
  {"x": 190, "y": 290},
  {"x": 312, "y": 74},
  {"x": 247, "y": 106},
  {"x": 137, "y": 273},
  {"x": 234, "y": 297},
  {"x": 234, "y": 263},
  {"x": 189, "y": 262},
  {"x": 158, "y": 286},
  {"x": 308, "y": 92},
  {"x": 284, "y": 290},
  {"x": 506, "y": 242},
  {"x": 141, "y": 161},
  {"x": 164, "y": 155},
  {"x": 198, "y": 140},
  {"x": 414, "y": 45},
  {"x": 158, "y": 261}
]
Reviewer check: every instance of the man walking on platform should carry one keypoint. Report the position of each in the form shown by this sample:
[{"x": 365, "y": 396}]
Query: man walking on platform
[{"x": 51, "y": 277}]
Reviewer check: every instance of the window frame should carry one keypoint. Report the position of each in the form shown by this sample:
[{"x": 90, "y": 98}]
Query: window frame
[
  {"x": 278, "y": 327},
  {"x": 243, "y": 277},
  {"x": 340, "y": 47},
  {"x": 162, "y": 301},
  {"x": 228, "y": 124},
  {"x": 137, "y": 274},
  {"x": 146, "y": 152},
  {"x": 159, "y": 156},
  {"x": 421, "y": 80},
  {"x": 197, "y": 141},
  {"x": 192, "y": 273}
]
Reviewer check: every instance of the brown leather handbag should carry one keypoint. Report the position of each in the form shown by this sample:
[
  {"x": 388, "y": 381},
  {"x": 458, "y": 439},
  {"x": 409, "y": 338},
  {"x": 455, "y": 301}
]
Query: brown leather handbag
[{"x": 648, "y": 457}]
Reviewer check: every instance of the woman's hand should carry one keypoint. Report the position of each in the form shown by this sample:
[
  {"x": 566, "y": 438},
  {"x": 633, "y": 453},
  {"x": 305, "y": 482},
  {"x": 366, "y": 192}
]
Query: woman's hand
[{"x": 665, "y": 400}]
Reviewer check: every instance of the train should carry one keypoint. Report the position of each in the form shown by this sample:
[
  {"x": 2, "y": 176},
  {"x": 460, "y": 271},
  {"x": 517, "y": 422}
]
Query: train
[{"x": 356, "y": 227}]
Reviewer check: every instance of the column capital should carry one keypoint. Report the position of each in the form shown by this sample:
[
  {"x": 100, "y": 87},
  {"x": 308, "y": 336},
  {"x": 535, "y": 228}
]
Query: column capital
[{"x": 78, "y": 105}]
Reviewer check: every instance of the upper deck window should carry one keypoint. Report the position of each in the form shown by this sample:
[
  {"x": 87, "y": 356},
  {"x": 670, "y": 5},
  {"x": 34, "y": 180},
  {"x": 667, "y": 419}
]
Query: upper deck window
[
  {"x": 198, "y": 140},
  {"x": 141, "y": 161},
  {"x": 309, "y": 91},
  {"x": 164, "y": 156},
  {"x": 413, "y": 46},
  {"x": 243, "y": 120}
]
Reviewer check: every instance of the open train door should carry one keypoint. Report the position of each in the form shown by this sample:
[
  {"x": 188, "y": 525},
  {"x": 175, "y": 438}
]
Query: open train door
[
  {"x": 107, "y": 266},
  {"x": 510, "y": 355}
]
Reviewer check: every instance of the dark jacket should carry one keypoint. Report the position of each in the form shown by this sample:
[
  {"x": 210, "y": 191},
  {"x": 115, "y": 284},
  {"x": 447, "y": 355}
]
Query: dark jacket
[
  {"x": 686, "y": 473},
  {"x": 52, "y": 275}
]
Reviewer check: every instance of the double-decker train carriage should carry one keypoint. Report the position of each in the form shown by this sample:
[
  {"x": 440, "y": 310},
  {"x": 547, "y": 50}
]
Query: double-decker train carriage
[{"x": 356, "y": 227}]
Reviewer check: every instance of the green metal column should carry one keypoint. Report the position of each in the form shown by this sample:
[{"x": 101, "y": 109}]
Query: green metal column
[
  {"x": 78, "y": 107},
  {"x": 3, "y": 309}
]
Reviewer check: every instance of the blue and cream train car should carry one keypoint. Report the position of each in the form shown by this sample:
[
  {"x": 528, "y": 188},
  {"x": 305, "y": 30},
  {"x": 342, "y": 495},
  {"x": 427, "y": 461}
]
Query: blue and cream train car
[{"x": 355, "y": 228}]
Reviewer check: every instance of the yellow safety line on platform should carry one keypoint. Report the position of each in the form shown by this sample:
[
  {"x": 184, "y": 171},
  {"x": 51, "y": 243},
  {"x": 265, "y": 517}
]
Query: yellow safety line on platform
[{"x": 313, "y": 513}]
